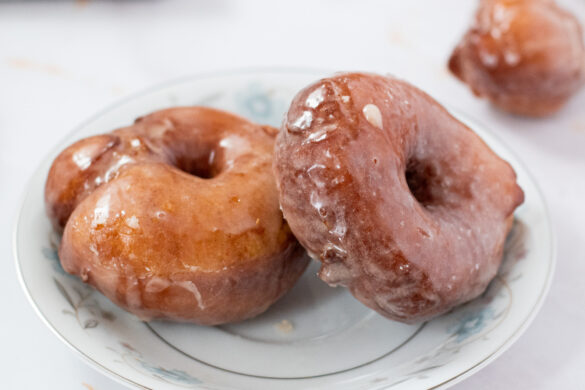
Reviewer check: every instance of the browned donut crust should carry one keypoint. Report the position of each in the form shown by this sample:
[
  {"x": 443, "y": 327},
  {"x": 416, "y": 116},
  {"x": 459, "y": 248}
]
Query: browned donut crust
[
  {"x": 526, "y": 56},
  {"x": 176, "y": 217},
  {"x": 402, "y": 203}
]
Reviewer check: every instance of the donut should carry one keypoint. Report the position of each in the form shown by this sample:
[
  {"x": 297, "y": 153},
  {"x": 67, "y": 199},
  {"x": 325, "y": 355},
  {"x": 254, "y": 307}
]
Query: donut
[
  {"x": 400, "y": 202},
  {"x": 176, "y": 217},
  {"x": 526, "y": 56}
]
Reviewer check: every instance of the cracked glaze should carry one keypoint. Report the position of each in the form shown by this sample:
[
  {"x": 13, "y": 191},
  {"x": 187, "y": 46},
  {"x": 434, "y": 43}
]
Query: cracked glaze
[
  {"x": 526, "y": 56},
  {"x": 176, "y": 217},
  {"x": 401, "y": 203}
]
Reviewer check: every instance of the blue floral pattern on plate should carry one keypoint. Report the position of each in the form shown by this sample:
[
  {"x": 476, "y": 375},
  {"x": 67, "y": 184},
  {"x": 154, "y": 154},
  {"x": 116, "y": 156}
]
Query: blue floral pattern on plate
[
  {"x": 130, "y": 356},
  {"x": 258, "y": 104}
]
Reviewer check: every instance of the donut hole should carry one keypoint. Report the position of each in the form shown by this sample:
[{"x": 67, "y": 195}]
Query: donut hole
[
  {"x": 200, "y": 172},
  {"x": 203, "y": 166},
  {"x": 423, "y": 182}
]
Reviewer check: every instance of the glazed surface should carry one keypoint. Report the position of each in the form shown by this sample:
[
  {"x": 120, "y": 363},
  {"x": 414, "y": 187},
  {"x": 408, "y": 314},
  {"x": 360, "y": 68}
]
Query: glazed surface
[
  {"x": 526, "y": 56},
  {"x": 401, "y": 203},
  {"x": 176, "y": 217}
]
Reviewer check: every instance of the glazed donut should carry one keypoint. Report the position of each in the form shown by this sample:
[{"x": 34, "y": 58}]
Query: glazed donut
[
  {"x": 526, "y": 56},
  {"x": 399, "y": 201},
  {"x": 176, "y": 217}
]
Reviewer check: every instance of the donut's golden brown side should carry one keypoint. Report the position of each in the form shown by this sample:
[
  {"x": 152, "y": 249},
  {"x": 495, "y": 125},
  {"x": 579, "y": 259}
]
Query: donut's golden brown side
[
  {"x": 401, "y": 203},
  {"x": 526, "y": 56},
  {"x": 176, "y": 217}
]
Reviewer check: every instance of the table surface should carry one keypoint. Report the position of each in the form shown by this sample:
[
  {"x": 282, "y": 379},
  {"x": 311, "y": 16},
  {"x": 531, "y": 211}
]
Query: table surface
[{"x": 62, "y": 61}]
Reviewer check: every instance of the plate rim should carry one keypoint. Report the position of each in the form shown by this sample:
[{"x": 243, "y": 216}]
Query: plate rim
[{"x": 459, "y": 115}]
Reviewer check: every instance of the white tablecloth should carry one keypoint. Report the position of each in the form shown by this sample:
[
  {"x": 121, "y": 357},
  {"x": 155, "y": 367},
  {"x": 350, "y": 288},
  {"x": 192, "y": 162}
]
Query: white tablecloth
[{"x": 61, "y": 61}]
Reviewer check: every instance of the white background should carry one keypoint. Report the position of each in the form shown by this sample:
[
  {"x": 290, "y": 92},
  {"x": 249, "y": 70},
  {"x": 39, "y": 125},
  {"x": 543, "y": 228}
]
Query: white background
[{"x": 62, "y": 61}]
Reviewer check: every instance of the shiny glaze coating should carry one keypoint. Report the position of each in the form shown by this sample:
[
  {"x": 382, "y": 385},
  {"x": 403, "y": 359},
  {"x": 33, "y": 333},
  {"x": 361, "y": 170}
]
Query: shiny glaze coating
[
  {"x": 402, "y": 203},
  {"x": 526, "y": 56},
  {"x": 176, "y": 217}
]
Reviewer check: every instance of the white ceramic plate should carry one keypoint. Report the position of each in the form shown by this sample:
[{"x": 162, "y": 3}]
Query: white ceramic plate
[{"x": 316, "y": 336}]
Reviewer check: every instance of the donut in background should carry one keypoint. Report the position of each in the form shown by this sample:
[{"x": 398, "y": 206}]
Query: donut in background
[{"x": 526, "y": 56}]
